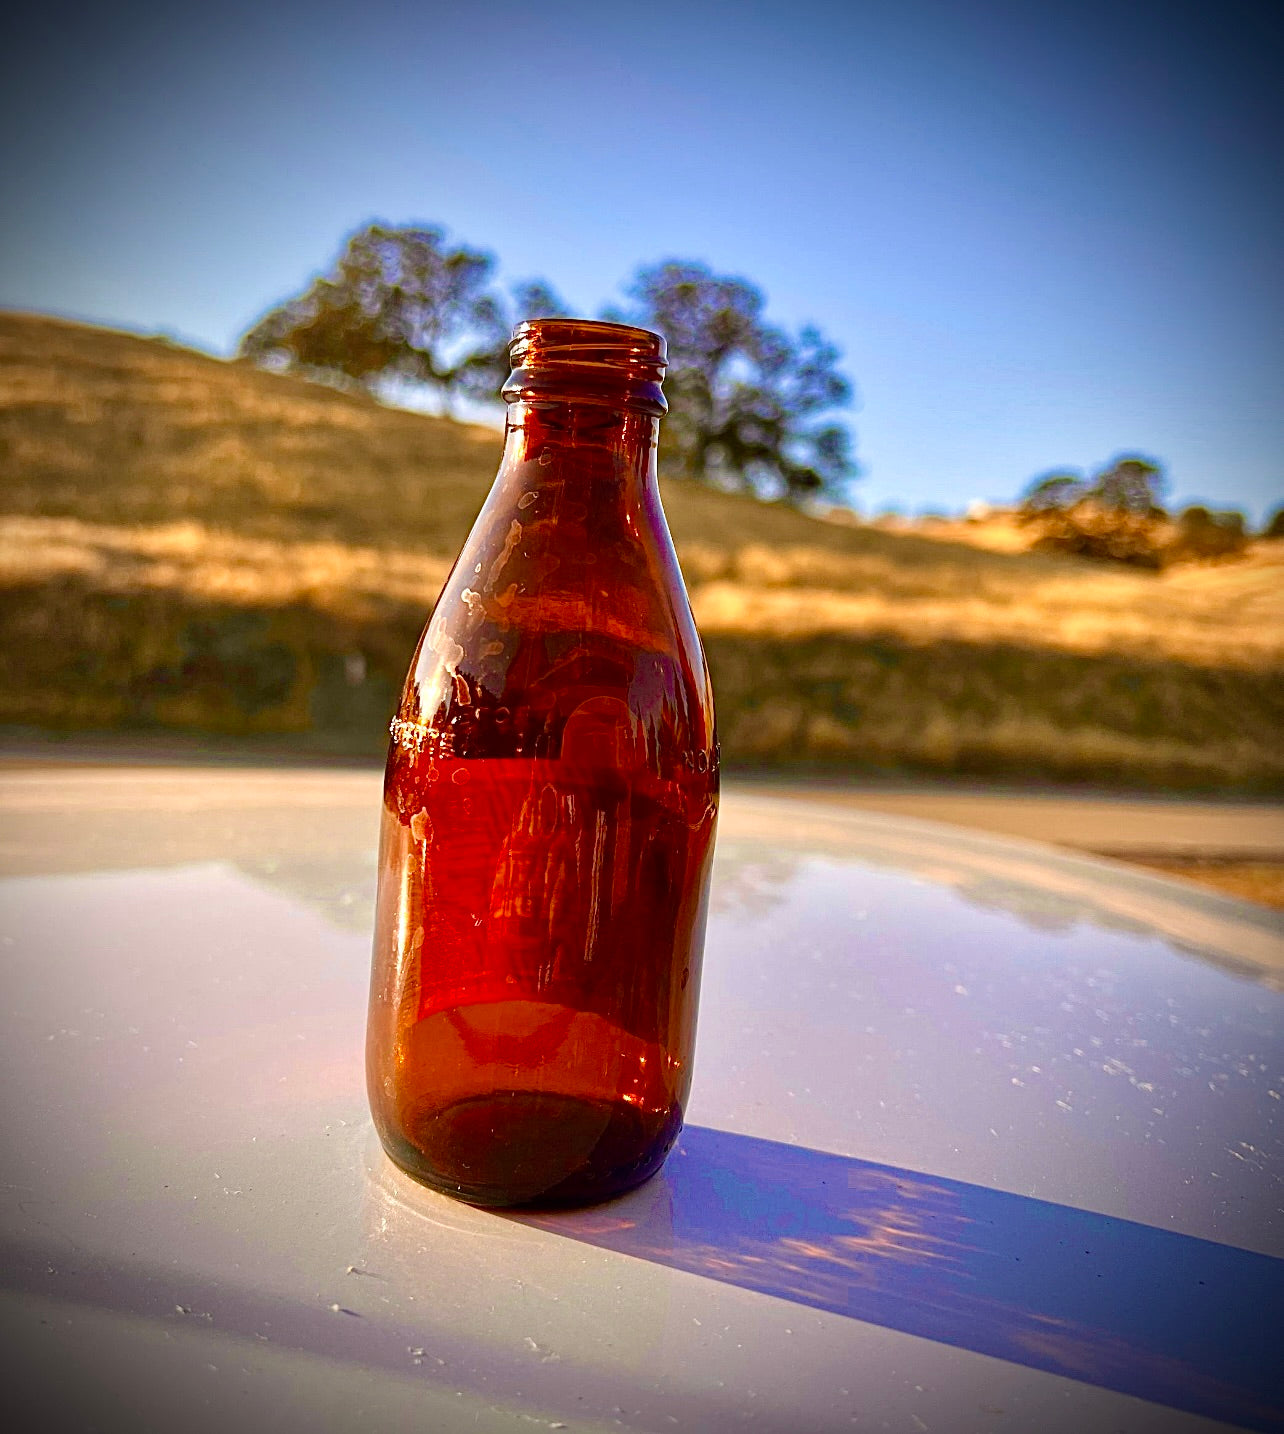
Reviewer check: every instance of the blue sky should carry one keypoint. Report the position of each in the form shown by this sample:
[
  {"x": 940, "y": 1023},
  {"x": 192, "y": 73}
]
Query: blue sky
[{"x": 1041, "y": 233}]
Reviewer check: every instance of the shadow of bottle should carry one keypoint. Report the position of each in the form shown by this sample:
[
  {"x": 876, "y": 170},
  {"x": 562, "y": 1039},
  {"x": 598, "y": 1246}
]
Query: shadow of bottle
[{"x": 1163, "y": 1316}]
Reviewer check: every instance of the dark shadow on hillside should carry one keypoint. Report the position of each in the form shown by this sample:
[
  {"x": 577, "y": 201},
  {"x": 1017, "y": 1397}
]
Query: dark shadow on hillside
[
  {"x": 1180, "y": 1321},
  {"x": 77, "y": 657},
  {"x": 989, "y": 709}
]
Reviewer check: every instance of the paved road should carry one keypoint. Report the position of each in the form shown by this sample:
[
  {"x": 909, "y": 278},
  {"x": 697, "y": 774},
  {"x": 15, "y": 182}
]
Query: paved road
[
  {"x": 1235, "y": 847},
  {"x": 1123, "y": 826},
  {"x": 1126, "y": 827}
]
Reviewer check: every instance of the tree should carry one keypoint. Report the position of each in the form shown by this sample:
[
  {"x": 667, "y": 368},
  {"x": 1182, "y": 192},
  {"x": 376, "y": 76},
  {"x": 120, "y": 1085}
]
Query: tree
[
  {"x": 1129, "y": 484},
  {"x": 401, "y": 305},
  {"x": 746, "y": 401},
  {"x": 1053, "y": 492}
]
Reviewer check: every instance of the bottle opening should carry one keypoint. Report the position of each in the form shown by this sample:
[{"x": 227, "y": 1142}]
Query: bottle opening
[{"x": 587, "y": 361}]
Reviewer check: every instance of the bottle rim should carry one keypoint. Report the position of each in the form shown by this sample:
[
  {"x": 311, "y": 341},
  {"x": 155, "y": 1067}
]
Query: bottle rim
[
  {"x": 558, "y": 335},
  {"x": 589, "y": 361}
]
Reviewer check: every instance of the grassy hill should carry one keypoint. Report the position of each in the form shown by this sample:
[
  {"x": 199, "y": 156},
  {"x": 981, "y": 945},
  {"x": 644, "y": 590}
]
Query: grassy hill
[{"x": 197, "y": 545}]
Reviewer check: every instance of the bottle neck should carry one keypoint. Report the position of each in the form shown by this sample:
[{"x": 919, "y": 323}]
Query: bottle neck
[{"x": 582, "y": 442}]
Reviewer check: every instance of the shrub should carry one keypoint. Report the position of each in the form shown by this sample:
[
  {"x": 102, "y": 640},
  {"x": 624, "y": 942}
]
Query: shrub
[
  {"x": 1202, "y": 535},
  {"x": 1091, "y": 530},
  {"x": 1116, "y": 517}
]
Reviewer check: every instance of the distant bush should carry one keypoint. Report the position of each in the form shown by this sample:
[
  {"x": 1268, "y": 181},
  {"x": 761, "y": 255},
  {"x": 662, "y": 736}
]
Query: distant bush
[
  {"x": 1115, "y": 517},
  {"x": 1274, "y": 528},
  {"x": 1202, "y": 535},
  {"x": 1090, "y": 530}
]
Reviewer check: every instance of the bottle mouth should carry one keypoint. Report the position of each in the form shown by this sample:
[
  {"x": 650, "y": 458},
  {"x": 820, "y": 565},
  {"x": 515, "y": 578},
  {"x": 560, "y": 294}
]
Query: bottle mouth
[{"x": 587, "y": 361}]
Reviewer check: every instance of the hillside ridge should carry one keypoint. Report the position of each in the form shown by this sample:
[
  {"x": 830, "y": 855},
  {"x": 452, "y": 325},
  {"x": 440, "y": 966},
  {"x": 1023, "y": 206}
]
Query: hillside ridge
[{"x": 93, "y": 417}]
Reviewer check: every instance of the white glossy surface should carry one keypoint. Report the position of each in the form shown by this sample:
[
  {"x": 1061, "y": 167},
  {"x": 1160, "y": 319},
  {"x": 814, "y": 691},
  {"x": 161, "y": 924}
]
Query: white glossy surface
[{"x": 925, "y": 1059}]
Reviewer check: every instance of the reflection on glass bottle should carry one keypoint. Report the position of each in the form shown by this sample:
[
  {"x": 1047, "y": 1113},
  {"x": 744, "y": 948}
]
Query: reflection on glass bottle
[{"x": 549, "y": 810}]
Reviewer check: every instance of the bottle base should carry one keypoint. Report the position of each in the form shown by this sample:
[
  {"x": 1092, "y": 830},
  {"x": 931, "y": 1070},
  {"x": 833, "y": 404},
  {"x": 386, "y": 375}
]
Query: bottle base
[{"x": 533, "y": 1148}]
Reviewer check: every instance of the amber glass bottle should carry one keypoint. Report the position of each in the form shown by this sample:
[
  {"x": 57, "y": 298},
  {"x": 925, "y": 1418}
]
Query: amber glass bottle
[{"x": 549, "y": 810}]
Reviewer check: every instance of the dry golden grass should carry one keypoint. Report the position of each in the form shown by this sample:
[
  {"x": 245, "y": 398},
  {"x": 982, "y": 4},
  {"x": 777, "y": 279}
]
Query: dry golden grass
[
  {"x": 193, "y": 543},
  {"x": 111, "y": 428},
  {"x": 1227, "y": 615},
  {"x": 202, "y": 564}
]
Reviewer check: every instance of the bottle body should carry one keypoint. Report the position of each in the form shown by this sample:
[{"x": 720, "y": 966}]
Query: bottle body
[{"x": 549, "y": 812}]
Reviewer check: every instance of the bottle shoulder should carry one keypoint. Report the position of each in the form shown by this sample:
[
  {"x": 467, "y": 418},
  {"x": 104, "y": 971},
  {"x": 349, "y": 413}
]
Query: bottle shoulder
[{"x": 565, "y": 615}]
